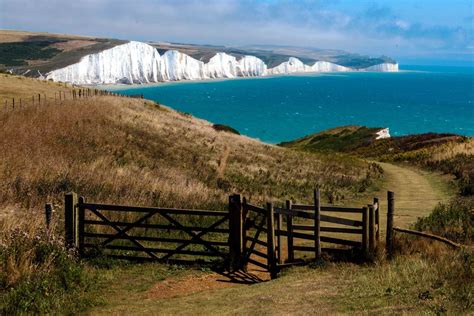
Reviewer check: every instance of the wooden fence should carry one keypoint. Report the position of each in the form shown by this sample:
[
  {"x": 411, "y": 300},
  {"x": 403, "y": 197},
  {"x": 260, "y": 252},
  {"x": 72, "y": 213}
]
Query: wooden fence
[
  {"x": 244, "y": 234},
  {"x": 262, "y": 231},
  {"x": 40, "y": 99},
  {"x": 146, "y": 233}
]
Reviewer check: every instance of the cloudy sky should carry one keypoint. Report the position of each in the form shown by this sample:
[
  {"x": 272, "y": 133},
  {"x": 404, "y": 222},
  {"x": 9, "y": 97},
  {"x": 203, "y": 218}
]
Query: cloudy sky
[{"x": 409, "y": 30}]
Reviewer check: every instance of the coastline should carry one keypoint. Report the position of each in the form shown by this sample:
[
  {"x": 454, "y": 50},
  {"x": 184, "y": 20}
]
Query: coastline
[
  {"x": 321, "y": 106},
  {"x": 118, "y": 86}
]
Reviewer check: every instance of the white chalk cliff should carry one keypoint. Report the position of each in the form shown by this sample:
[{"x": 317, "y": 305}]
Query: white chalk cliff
[
  {"x": 137, "y": 62},
  {"x": 383, "y": 133},
  {"x": 385, "y": 67}
]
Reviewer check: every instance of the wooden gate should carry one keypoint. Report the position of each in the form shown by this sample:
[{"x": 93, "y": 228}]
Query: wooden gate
[
  {"x": 147, "y": 233},
  {"x": 245, "y": 234},
  {"x": 259, "y": 237},
  {"x": 315, "y": 228}
]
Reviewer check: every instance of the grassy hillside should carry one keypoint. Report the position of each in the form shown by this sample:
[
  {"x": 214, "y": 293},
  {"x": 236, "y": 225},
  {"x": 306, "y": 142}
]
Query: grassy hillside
[
  {"x": 448, "y": 153},
  {"x": 134, "y": 151},
  {"x": 129, "y": 151},
  {"x": 339, "y": 139},
  {"x": 120, "y": 150}
]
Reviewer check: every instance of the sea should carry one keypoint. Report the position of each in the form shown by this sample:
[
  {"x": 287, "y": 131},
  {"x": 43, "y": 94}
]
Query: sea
[{"x": 418, "y": 99}]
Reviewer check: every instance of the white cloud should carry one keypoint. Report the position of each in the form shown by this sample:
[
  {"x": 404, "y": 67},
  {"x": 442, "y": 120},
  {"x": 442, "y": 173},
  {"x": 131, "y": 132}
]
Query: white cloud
[{"x": 371, "y": 29}]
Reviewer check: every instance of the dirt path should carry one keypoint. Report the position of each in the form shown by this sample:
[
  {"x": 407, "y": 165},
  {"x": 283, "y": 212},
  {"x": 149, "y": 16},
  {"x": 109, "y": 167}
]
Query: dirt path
[{"x": 416, "y": 193}]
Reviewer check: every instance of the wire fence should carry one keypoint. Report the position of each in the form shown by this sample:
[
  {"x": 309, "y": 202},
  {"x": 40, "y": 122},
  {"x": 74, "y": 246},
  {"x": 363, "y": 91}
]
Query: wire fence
[{"x": 73, "y": 94}]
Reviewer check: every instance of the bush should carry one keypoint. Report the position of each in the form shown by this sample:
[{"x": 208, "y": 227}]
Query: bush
[
  {"x": 16, "y": 54},
  {"x": 454, "y": 220},
  {"x": 38, "y": 275},
  {"x": 225, "y": 128}
]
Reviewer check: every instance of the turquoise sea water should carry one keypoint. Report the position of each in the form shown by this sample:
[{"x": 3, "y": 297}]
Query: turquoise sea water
[{"x": 275, "y": 109}]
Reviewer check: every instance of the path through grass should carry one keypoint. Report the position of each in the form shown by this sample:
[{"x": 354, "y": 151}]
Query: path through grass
[{"x": 298, "y": 291}]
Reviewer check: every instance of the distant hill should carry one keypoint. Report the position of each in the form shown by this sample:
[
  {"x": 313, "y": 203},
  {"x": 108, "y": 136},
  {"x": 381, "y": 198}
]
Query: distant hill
[
  {"x": 449, "y": 153},
  {"x": 339, "y": 57},
  {"x": 32, "y": 54},
  {"x": 364, "y": 141},
  {"x": 340, "y": 139}
]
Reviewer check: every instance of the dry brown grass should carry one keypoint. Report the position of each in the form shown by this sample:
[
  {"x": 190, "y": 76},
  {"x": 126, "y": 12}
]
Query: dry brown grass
[
  {"x": 25, "y": 88},
  {"x": 452, "y": 149},
  {"x": 17, "y": 265},
  {"x": 132, "y": 151},
  {"x": 73, "y": 44},
  {"x": 120, "y": 150},
  {"x": 9, "y": 36}
]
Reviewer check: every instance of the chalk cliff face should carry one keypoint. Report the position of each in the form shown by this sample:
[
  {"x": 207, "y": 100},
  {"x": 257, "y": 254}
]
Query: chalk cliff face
[
  {"x": 385, "y": 67},
  {"x": 136, "y": 62},
  {"x": 221, "y": 66},
  {"x": 133, "y": 62},
  {"x": 174, "y": 65},
  {"x": 293, "y": 65},
  {"x": 251, "y": 66},
  {"x": 325, "y": 66},
  {"x": 383, "y": 133}
]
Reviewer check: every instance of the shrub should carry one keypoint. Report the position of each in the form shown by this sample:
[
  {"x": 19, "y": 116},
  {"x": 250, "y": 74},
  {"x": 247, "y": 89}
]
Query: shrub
[
  {"x": 454, "y": 220},
  {"x": 15, "y": 54},
  {"x": 225, "y": 128},
  {"x": 38, "y": 275}
]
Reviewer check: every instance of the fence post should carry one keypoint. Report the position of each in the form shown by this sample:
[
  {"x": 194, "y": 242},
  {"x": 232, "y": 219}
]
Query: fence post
[
  {"x": 377, "y": 221},
  {"x": 81, "y": 219},
  {"x": 279, "y": 219},
  {"x": 48, "y": 211},
  {"x": 371, "y": 230},
  {"x": 271, "y": 241},
  {"x": 70, "y": 219},
  {"x": 289, "y": 229},
  {"x": 317, "y": 224},
  {"x": 365, "y": 230},
  {"x": 244, "y": 230},
  {"x": 390, "y": 212},
  {"x": 235, "y": 231}
]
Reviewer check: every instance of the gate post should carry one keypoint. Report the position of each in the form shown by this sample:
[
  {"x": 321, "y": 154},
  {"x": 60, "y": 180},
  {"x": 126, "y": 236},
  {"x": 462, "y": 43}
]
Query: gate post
[
  {"x": 365, "y": 230},
  {"x": 272, "y": 266},
  {"x": 48, "y": 212},
  {"x": 317, "y": 224},
  {"x": 70, "y": 220},
  {"x": 235, "y": 231},
  {"x": 279, "y": 219},
  {"x": 81, "y": 219},
  {"x": 390, "y": 211},
  {"x": 371, "y": 230},
  {"x": 289, "y": 228},
  {"x": 377, "y": 221}
]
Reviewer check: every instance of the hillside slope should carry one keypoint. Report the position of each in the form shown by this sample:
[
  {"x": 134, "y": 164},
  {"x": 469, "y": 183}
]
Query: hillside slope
[{"x": 134, "y": 151}]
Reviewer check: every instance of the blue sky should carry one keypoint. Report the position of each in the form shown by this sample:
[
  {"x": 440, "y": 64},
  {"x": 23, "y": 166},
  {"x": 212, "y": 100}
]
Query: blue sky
[{"x": 423, "y": 31}]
